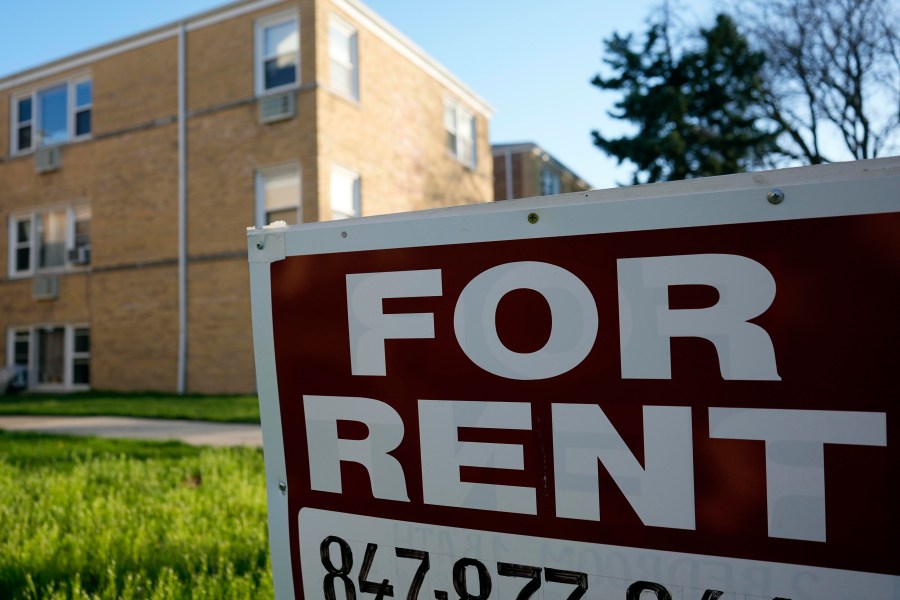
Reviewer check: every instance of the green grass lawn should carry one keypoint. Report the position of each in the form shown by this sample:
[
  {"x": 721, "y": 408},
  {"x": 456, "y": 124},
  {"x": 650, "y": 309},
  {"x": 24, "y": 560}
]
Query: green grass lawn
[
  {"x": 231, "y": 409},
  {"x": 84, "y": 518}
]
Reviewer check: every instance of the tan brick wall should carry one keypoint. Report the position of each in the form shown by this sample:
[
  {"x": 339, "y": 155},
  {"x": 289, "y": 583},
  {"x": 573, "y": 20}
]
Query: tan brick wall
[
  {"x": 394, "y": 136},
  {"x": 135, "y": 88},
  {"x": 134, "y": 329},
  {"x": 18, "y": 309},
  {"x": 526, "y": 175},
  {"x": 136, "y": 198},
  {"x": 226, "y": 149},
  {"x": 128, "y": 171},
  {"x": 221, "y": 58},
  {"x": 130, "y": 182},
  {"x": 74, "y": 304},
  {"x": 220, "y": 335}
]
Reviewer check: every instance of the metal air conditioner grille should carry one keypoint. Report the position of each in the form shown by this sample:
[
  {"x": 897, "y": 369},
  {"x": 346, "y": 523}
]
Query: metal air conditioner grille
[
  {"x": 277, "y": 108},
  {"x": 45, "y": 288},
  {"x": 47, "y": 159}
]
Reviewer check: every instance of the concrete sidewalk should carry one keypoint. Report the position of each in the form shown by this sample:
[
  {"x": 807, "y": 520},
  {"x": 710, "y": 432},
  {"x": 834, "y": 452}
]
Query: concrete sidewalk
[{"x": 197, "y": 433}]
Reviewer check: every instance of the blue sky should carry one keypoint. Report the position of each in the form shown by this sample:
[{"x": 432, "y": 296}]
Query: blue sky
[{"x": 532, "y": 60}]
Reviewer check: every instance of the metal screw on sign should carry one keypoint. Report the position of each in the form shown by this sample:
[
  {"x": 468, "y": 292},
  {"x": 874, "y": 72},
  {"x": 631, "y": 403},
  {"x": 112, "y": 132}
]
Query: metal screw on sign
[
  {"x": 775, "y": 196},
  {"x": 343, "y": 234},
  {"x": 532, "y": 218},
  {"x": 283, "y": 487},
  {"x": 260, "y": 245}
]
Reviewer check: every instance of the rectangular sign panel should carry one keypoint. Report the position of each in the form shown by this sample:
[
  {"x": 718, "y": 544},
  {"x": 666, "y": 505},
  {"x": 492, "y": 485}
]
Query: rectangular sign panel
[{"x": 679, "y": 391}]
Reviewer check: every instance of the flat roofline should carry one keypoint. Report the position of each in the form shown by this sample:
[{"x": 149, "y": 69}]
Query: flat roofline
[
  {"x": 531, "y": 147},
  {"x": 405, "y": 46},
  {"x": 367, "y": 17}
]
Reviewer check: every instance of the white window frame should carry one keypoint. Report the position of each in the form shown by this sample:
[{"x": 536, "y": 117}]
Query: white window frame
[
  {"x": 75, "y": 108},
  {"x": 350, "y": 32},
  {"x": 260, "y": 57},
  {"x": 69, "y": 355},
  {"x": 33, "y": 243},
  {"x": 465, "y": 130},
  {"x": 551, "y": 182},
  {"x": 348, "y": 174},
  {"x": 260, "y": 213},
  {"x": 34, "y": 123}
]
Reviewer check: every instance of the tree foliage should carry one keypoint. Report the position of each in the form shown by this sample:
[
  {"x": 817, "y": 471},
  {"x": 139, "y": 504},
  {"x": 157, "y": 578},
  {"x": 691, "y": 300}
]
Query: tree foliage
[
  {"x": 698, "y": 110},
  {"x": 832, "y": 73}
]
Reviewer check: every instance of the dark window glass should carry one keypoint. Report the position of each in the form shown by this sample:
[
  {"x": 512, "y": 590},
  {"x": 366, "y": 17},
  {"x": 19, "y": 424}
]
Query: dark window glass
[
  {"x": 280, "y": 72},
  {"x": 23, "y": 259},
  {"x": 23, "y": 230},
  {"x": 451, "y": 142},
  {"x": 20, "y": 350},
  {"x": 81, "y": 371},
  {"x": 24, "y": 140},
  {"x": 24, "y": 110},
  {"x": 82, "y": 340},
  {"x": 83, "y": 122}
]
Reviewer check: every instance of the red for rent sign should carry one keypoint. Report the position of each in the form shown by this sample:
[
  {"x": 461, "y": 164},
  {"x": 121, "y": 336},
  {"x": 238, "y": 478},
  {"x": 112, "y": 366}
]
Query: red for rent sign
[{"x": 684, "y": 391}]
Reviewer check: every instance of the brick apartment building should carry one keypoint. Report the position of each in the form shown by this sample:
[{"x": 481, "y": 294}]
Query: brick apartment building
[
  {"x": 130, "y": 172},
  {"x": 525, "y": 170}
]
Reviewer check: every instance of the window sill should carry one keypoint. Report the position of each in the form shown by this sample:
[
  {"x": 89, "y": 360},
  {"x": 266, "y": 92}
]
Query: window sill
[
  {"x": 31, "y": 151},
  {"x": 462, "y": 163},
  {"x": 278, "y": 90},
  {"x": 67, "y": 270},
  {"x": 342, "y": 96},
  {"x": 58, "y": 387}
]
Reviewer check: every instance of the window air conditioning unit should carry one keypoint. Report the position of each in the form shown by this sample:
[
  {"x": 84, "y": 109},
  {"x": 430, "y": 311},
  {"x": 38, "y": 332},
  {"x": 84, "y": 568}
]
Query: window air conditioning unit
[
  {"x": 80, "y": 255},
  {"x": 47, "y": 159},
  {"x": 46, "y": 288},
  {"x": 277, "y": 108}
]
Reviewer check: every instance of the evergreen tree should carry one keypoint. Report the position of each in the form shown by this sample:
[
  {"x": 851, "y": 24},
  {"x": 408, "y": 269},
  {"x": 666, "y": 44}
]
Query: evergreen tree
[{"x": 699, "y": 111}]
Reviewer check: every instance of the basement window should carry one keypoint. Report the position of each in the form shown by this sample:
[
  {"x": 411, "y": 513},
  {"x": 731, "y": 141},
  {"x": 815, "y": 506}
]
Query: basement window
[{"x": 51, "y": 357}]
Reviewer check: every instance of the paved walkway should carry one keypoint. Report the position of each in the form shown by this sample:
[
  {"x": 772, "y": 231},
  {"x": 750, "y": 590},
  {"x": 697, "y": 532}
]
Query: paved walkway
[{"x": 198, "y": 433}]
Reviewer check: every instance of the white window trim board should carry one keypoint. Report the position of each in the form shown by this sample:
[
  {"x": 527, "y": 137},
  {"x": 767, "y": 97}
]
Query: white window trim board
[
  {"x": 71, "y": 108},
  {"x": 69, "y": 354},
  {"x": 12, "y": 243},
  {"x": 259, "y": 202},
  {"x": 351, "y": 32},
  {"x": 258, "y": 51},
  {"x": 350, "y": 174}
]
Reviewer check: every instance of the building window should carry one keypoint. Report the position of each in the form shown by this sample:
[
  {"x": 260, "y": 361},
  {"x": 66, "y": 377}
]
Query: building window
[
  {"x": 84, "y": 101},
  {"x": 278, "y": 195},
  {"x": 51, "y": 357},
  {"x": 550, "y": 184},
  {"x": 81, "y": 356},
  {"x": 342, "y": 54},
  {"x": 277, "y": 53},
  {"x": 461, "y": 134},
  {"x": 52, "y": 115},
  {"x": 345, "y": 193},
  {"x": 50, "y": 240}
]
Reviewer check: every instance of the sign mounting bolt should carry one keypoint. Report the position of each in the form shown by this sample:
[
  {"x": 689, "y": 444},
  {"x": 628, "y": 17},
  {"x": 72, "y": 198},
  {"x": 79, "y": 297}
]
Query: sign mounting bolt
[
  {"x": 533, "y": 218},
  {"x": 775, "y": 196},
  {"x": 282, "y": 487},
  {"x": 260, "y": 245}
]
